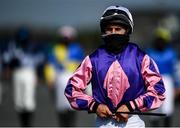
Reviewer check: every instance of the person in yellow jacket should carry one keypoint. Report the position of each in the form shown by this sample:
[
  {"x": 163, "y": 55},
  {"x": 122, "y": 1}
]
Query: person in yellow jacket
[{"x": 62, "y": 61}]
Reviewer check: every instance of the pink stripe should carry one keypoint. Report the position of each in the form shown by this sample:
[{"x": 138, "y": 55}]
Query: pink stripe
[
  {"x": 151, "y": 78},
  {"x": 140, "y": 103},
  {"x": 91, "y": 107},
  {"x": 116, "y": 83},
  {"x": 74, "y": 105},
  {"x": 82, "y": 96},
  {"x": 156, "y": 103},
  {"x": 132, "y": 105},
  {"x": 79, "y": 80},
  {"x": 71, "y": 101},
  {"x": 82, "y": 75}
]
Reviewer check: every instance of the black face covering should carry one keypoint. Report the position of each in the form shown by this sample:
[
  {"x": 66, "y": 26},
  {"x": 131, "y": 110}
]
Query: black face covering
[{"x": 115, "y": 43}]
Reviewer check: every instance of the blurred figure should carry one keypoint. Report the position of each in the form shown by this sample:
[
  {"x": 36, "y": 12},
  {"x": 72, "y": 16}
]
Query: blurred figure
[
  {"x": 24, "y": 78},
  {"x": 177, "y": 76},
  {"x": 7, "y": 54},
  {"x": 22, "y": 62},
  {"x": 64, "y": 58},
  {"x": 165, "y": 57}
]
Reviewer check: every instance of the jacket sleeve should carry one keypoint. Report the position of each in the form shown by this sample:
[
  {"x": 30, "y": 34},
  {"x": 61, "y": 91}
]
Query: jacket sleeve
[
  {"x": 155, "y": 91},
  {"x": 75, "y": 89}
]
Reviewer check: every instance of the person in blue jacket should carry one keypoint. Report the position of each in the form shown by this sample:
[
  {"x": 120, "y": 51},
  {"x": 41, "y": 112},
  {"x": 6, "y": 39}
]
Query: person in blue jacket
[{"x": 166, "y": 58}]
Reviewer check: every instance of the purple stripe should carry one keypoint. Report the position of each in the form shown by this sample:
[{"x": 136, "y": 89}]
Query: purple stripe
[
  {"x": 131, "y": 64},
  {"x": 68, "y": 89},
  {"x": 148, "y": 100},
  {"x": 152, "y": 67},
  {"x": 82, "y": 104},
  {"x": 159, "y": 87}
]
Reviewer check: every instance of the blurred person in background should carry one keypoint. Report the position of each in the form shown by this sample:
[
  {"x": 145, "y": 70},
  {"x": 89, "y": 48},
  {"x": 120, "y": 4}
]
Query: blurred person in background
[
  {"x": 6, "y": 54},
  {"x": 166, "y": 58},
  {"x": 22, "y": 62},
  {"x": 123, "y": 77},
  {"x": 177, "y": 76},
  {"x": 62, "y": 61}
]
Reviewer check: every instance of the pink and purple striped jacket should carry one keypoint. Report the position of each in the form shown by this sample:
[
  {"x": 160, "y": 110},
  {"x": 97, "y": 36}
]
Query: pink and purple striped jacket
[{"x": 129, "y": 77}]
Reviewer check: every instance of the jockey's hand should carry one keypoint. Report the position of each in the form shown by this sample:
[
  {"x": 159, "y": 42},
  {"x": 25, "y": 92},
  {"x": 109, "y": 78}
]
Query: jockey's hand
[
  {"x": 121, "y": 117},
  {"x": 103, "y": 111}
]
